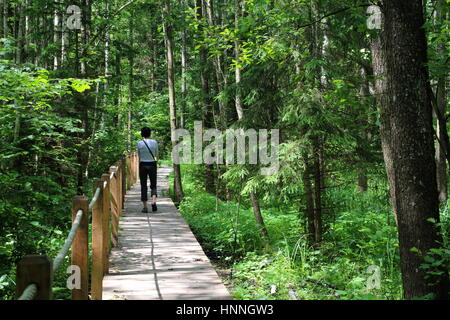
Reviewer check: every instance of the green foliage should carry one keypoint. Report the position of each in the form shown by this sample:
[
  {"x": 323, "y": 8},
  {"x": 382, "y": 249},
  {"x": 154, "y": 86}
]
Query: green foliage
[
  {"x": 34, "y": 215},
  {"x": 217, "y": 229},
  {"x": 437, "y": 260},
  {"x": 362, "y": 234},
  {"x": 38, "y": 165}
]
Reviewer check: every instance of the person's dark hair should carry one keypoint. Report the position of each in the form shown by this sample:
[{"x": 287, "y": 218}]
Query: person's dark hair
[{"x": 146, "y": 132}]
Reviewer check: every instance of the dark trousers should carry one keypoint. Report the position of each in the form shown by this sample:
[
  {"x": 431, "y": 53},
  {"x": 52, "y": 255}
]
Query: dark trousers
[{"x": 147, "y": 169}]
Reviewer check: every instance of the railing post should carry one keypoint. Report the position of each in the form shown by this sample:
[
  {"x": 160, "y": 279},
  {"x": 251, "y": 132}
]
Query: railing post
[
  {"x": 132, "y": 169},
  {"x": 133, "y": 164},
  {"x": 125, "y": 174},
  {"x": 127, "y": 177},
  {"x": 115, "y": 206},
  {"x": 106, "y": 197},
  {"x": 124, "y": 183},
  {"x": 119, "y": 189},
  {"x": 136, "y": 167},
  {"x": 97, "y": 245},
  {"x": 80, "y": 247},
  {"x": 118, "y": 184},
  {"x": 38, "y": 270}
]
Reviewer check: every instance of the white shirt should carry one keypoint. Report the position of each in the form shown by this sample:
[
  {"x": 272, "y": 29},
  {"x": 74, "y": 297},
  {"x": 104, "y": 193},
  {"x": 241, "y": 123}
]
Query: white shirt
[{"x": 144, "y": 154}]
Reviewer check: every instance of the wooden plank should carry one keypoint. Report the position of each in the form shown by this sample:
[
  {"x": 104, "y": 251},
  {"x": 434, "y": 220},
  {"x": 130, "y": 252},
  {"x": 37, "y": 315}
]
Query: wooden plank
[{"x": 80, "y": 248}]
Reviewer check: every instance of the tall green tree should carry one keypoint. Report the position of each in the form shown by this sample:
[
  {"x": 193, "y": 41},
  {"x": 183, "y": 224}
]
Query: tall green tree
[{"x": 407, "y": 135}]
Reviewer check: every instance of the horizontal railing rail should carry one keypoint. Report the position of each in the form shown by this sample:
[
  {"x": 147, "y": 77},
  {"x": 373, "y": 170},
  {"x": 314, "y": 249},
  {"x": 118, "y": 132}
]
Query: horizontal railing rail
[{"x": 34, "y": 275}]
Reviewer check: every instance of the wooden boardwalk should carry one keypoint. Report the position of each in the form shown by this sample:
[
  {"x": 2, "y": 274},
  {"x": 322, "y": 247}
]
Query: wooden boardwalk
[{"x": 158, "y": 257}]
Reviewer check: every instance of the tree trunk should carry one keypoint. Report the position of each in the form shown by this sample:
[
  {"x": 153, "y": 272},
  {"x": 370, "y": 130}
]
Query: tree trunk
[
  {"x": 364, "y": 93},
  {"x": 207, "y": 103},
  {"x": 407, "y": 135},
  {"x": 318, "y": 46},
  {"x": 152, "y": 46},
  {"x": 168, "y": 35},
  {"x": 5, "y": 19},
  {"x": 441, "y": 100},
  {"x": 155, "y": 58},
  {"x": 56, "y": 22},
  {"x": 183, "y": 70},
  {"x": 238, "y": 96},
  {"x": 309, "y": 201},
  {"x": 106, "y": 73},
  {"x": 441, "y": 160},
  {"x": 259, "y": 219},
  {"x": 64, "y": 39},
  {"x": 27, "y": 34},
  {"x": 379, "y": 70},
  {"x": 83, "y": 100},
  {"x": 130, "y": 83},
  {"x": 220, "y": 77},
  {"x": 117, "y": 88},
  {"x": 19, "y": 35},
  {"x": 317, "y": 192},
  {"x": 240, "y": 114}
]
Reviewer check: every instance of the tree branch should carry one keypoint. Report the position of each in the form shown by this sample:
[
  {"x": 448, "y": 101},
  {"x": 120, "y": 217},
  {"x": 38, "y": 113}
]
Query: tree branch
[
  {"x": 332, "y": 14},
  {"x": 108, "y": 25},
  {"x": 444, "y": 142}
]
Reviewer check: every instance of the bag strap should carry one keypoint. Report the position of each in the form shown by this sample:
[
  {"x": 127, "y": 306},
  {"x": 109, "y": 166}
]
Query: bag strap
[{"x": 149, "y": 149}]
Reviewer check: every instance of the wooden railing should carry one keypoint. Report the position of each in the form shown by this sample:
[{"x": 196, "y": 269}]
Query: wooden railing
[{"x": 34, "y": 274}]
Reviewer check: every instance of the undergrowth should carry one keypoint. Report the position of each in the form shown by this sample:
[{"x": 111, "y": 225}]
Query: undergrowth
[{"x": 361, "y": 235}]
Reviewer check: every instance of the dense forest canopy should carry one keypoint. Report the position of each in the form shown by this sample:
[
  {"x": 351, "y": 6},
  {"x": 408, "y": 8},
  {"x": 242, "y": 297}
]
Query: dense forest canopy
[{"x": 357, "y": 90}]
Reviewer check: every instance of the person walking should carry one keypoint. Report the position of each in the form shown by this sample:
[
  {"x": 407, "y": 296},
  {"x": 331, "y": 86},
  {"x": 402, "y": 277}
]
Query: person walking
[{"x": 148, "y": 153}]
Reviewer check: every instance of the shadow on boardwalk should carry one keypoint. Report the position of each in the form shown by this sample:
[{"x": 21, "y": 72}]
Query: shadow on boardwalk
[{"x": 158, "y": 257}]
